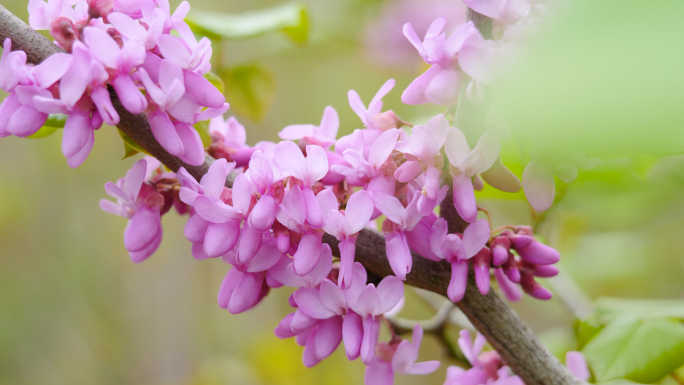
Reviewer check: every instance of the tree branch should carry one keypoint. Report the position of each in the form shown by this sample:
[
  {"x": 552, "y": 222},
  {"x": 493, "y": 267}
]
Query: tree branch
[{"x": 504, "y": 330}]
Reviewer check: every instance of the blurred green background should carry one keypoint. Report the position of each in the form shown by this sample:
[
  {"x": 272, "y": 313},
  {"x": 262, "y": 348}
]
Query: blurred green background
[{"x": 75, "y": 310}]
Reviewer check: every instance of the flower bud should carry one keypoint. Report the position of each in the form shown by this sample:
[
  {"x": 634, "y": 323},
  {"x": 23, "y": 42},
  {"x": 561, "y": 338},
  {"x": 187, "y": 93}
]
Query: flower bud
[
  {"x": 481, "y": 263},
  {"x": 387, "y": 120},
  {"x": 500, "y": 250},
  {"x": 100, "y": 8},
  {"x": 535, "y": 252},
  {"x": 532, "y": 288},
  {"x": 65, "y": 32}
]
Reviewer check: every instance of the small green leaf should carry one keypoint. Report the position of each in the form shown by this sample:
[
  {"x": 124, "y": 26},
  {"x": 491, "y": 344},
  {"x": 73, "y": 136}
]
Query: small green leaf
[
  {"x": 291, "y": 19},
  {"x": 644, "y": 351},
  {"x": 609, "y": 309},
  {"x": 215, "y": 80},
  {"x": 44, "y": 132},
  {"x": 129, "y": 151},
  {"x": 52, "y": 124},
  {"x": 203, "y": 130},
  {"x": 249, "y": 90},
  {"x": 131, "y": 147},
  {"x": 586, "y": 329}
]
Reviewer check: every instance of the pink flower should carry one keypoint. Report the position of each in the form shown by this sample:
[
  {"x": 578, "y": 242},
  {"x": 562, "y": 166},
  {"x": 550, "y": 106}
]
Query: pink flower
[
  {"x": 229, "y": 141},
  {"x": 121, "y": 61},
  {"x": 132, "y": 30},
  {"x": 141, "y": 204},
  {"x": 384, "y": 42},
  {"x": 345, "y": 226},
  {"x": 323, "y": 135},
  {"x": 372, "y": 161},
  {"x": 371, "y": 116},
  {"x": 577, "y": 365},
  {"x": 370, "y": 303},
  {"x": 467, "y": 163},
  {"x": 442, "y": 82},
  {"x": 424, "y": 159},
  {"x": 42, "y": 14},
  {"x": 399, "y": 220},
  {"x": 458, "y": 251},
  {"x": 400, "y": 358}
]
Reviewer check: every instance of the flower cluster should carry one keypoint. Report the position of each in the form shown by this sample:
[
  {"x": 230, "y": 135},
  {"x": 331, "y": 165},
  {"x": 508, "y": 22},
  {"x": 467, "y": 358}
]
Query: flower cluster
[
  {"x": 283, "y": 198},
  {"x": 127, "y": 46},
  {"x": 269, "y": 225},
  {"x": 488, "y": 368}
]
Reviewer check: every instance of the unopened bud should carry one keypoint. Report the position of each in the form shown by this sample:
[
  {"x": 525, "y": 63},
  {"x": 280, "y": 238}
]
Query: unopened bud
[
  {"x": 64, "y": 31},
  {"x": 387, "y": 120},
  {"x": 100, "y": 8}
]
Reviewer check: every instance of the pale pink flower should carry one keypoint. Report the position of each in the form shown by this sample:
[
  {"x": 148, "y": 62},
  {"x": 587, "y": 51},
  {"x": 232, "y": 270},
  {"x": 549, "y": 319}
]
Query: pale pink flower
[
  {"x": 323, "y": 135},
  {"x": 398, "y": 358},
  {"x": 424, "y": 159},
  {"x": 371, "y": 116},
  {"x": 121, "y": 61},
  {"x": 441, "y": 84},
  {"x": 141, "y": 204},
  {"x": 345, "y": 226},
  {"x": 467, "y": 163}
]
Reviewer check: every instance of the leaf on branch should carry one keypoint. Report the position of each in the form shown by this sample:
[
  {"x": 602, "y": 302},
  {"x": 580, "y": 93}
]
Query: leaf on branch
[
  {"x": 131, "y": 147},
  {"x": 250, "y": 90},
  {"x": 53, "y": 123},
  {"x": 644, "y": 351},
  {"x": 292, "y": 19}
]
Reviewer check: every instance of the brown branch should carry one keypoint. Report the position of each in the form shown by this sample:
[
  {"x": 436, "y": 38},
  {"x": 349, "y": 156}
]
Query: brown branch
[{"x": 504, "y": 330}]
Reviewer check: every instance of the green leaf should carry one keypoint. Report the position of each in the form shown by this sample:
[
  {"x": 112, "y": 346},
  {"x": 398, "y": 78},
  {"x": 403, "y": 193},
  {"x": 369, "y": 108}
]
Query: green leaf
[
  {"x": 131, "y": 147},
  {"x": 216, "y": 81},
  {"x": 52, "y": 124},
  {"x": 291, "y": 19},
  {"x": 203, "y": 130},
  {"x": 586, "y": 329},
  {"x": 644, "y": 351},
  {"x": 608, "y": 309},
  {"x": 249, "y": 90}
]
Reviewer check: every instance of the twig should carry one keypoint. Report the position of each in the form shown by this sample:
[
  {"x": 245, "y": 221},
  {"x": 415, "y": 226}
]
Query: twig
[{"x": 491, "y": 316}]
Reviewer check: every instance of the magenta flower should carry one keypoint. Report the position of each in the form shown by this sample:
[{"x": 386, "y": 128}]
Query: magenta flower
[
  {"x": 345, "y": 226},
  {"x": 466, "y": 164},
  {"x": 323, "y": 135},
  {"x": 398, "y": 358},
  {"x": 141, "y": 204},
  {"x": 441, "y": 84},
  {"x": 283, "y": 271}
]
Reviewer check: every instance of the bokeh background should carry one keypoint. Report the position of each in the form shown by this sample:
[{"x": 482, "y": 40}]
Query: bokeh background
[{"x": 75, "y": 310}]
